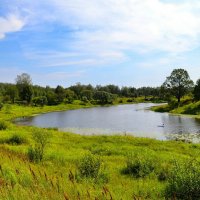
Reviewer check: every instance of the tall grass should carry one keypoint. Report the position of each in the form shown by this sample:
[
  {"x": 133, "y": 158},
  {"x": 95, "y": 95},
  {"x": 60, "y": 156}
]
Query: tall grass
[
  {"x": 89, "y": 167},
  {"x": 184, "y": 181},
  {"x": 141, "y": 164}
]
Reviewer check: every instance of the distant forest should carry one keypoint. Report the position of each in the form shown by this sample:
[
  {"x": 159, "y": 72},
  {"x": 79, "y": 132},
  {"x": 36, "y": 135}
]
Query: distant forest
[{"x": 23, "y": 91}]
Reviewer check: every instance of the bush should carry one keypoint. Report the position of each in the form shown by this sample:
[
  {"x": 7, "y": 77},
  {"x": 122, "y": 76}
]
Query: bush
[
  {"x": 184, "y": 181},
  {"x": 163, "y": 172},
  {"x": 39, "y": 101},
  {"x": 3, "y": 125},
  {"x": 140, "y": 164},
  {"x": 130, "y": 100},
  {"x": 84, "y": 99},
  {"x": 90, "y": 167},
  {"x": 34, "y": 154},
  {"x": 103, "y": 97},
  {"x": 1, "y": 105},
  {"x": 16, "y": 140},
  {"x": 68, "y": 100},
  {"x": 41, "y": 139},
  {"x": 8, "y": 108}
]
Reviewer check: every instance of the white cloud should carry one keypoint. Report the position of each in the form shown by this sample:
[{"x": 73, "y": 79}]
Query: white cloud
[
  {"x": 11, "y": 23},
  {"x": 103, "y": 31},
  {"x": 55, "y": 78},
  {"x": 132, "y": 24}
]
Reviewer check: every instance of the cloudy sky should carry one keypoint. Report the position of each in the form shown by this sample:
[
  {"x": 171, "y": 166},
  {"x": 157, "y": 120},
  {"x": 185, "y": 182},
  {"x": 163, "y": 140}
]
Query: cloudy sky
[{"x": 123, "y": 42}]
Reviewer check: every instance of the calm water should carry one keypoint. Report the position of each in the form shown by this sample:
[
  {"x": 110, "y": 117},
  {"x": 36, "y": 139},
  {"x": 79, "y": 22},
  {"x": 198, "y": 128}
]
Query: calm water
[{"x": 135, "y": 119}]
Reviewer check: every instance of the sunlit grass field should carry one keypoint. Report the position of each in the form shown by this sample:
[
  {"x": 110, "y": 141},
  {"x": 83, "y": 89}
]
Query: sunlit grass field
[{"x": 91, "y": 167}]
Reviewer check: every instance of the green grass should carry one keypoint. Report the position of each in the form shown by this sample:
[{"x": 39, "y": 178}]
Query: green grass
[
  {"x": 186, "y": 106},
  {"x": 55, "y": 177}
]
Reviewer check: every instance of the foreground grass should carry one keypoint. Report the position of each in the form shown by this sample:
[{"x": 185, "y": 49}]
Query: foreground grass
[{"x": 57, "y": 176}]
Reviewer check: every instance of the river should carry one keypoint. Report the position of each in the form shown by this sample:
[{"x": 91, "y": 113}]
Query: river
[{"x": 132, "y": 119}]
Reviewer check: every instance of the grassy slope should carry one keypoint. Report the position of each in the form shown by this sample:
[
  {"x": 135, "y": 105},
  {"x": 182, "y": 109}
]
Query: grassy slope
[
  {"x": 21, "y": 179},
  {"x": 185, "y": 108}
]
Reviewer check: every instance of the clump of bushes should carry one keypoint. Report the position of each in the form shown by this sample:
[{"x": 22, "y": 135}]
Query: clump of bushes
[
  {"x": 163, "y": 171},
  {"x": 41, "y": 139},
  {"x": 3, "y": 125},
  {"x": 120, "y": 101},
  {"x": 16, "y": 140},
  {"x": 130, "y": 100},
  {"x": 1, "y": 105},
  {"x": 39, "y": 101},
  {"x": 184, "y": 181},
  {"x": 141, "y": 164},
  {"x": 90, "y": 166}
]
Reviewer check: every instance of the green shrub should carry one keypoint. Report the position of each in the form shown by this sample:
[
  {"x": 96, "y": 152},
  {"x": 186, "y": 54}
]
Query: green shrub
[
  {"x": 10, "y": 176},
  {"x": 130, "y": 100},
  {"x": 163, "y": 172},
  {"x": 41, "y": 139},
  {"x": 34, "y": 155},
  {"x": 140, "y": 164},
  {"x": 40, "y": 101},
  {"x": 16, "y": 139},
  {"x": 1, "y": 105},
  {"x": 3, "y": 125},
  {"x": 84, "y": 99},
  {"x": 89, "y": 166},
  {"x": 184, "y": 181}
]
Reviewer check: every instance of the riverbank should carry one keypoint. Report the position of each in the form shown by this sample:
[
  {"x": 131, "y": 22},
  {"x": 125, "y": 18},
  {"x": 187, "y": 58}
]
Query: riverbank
[
  {"x": 58, "y": 175},
  {"x": 190, "y": 109}
]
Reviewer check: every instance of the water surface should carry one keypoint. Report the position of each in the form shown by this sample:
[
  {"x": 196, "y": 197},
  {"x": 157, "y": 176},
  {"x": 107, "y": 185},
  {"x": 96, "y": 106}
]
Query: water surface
[{"x": 134, "y": 119}]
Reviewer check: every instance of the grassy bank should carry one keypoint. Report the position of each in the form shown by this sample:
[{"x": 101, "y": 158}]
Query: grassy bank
[
  {"x": 186, "y": 107},
  {"x": 89, "y": 167}
]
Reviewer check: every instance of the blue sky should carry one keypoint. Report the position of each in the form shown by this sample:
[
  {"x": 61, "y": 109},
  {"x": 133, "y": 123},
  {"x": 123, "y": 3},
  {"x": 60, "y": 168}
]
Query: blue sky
[{"x": 123, "y": 42}]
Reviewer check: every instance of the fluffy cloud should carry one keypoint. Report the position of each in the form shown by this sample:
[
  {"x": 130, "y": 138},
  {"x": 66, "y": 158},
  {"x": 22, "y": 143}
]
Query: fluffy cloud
[
  {"x": 132, "y": 24},
  {"x": 103, "y": 31},
  {"x": 9, "y": 24}
]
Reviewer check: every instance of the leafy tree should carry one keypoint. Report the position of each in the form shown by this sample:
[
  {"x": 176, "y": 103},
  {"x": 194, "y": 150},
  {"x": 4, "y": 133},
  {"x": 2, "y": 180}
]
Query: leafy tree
[
  {"x": 39, "y": 91},
  {"x": 87, "y": 93},
  {"x": 60, "y": 92},
  {"x": 12, "y": 92},
  {"x": 69, "y": 93},
  {"x": 104, "y": 97},
  {"x": 70, "y": 96},
  {"x": 24, "y": 86},
  {"x": 178, "y": 83},
  {"x": 52, "y": 98},
  {"x": 196, "y": 91},
  {"x": 39, "y": 101}
]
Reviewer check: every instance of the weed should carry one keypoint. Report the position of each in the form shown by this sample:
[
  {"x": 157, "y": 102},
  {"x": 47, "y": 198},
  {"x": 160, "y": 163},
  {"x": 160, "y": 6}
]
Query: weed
[
  {"x": 3, "y": 125},
  {"x": 90, "y": 166},
  {"x": 16, "y": 140},
  {"x": 140, "y": 164},
  {"x": 41, "y": 139},
  {"x": 184, "y": 181}
]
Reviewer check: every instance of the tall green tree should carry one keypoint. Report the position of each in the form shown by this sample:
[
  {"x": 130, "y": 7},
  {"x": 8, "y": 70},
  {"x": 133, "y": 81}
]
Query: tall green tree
[
  {"x": 24, "y": 86},
  {"x": 178, "y": 83},
  {"x": 60, "y": 92},
  {"x": 196, "y": 91},
  {"x": 12, "y": 92},
  {"x": 103, "y": 97}
]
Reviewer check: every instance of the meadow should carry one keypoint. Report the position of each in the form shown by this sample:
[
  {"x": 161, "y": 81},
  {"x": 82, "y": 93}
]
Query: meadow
[{"x": 37, "y": 163}]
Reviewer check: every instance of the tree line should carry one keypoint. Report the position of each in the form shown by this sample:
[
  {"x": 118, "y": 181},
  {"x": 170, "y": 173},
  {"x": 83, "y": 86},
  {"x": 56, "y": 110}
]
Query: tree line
[{"x": 23, "y": 91}]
